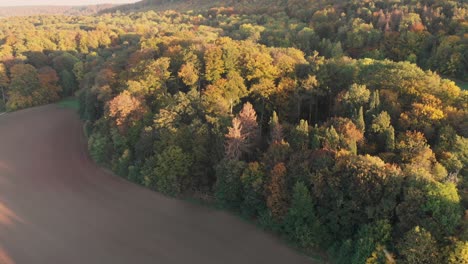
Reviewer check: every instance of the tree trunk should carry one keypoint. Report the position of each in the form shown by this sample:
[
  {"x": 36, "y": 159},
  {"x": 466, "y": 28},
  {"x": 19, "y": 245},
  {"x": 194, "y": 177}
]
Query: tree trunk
[{"x": 316, "y": 111}]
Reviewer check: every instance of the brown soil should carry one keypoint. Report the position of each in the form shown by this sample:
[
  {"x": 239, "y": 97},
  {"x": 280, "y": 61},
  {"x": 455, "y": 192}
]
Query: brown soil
[{"x": 57, "y": 206}]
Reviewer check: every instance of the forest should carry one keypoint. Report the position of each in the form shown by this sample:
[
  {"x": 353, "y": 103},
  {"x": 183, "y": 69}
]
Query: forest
[
  {"x": 338, "y": 125},
  {"x": 11, "y": 11}
]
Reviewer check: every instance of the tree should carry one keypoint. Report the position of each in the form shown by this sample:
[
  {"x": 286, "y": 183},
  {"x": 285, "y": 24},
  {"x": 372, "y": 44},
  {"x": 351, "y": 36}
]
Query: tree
[
  {"x": 358, "y": 190},
  {"x": 459, "y": 253},
  {"x": 359, "y": 119},
  {"x": 374, "y": 102},
  {"x": 418, "y": 247},
  {"x": 356, "y": 96},
  {"x": 236, "y": 141},
  {"x": 67, "y": 81},
  {"x": 248, "y": 119},
  {"x": 23, "y": 86},
  {"x": 276, "y": 130},
  {"x": 253, "y": 181},
  {"x": 99, "y": 147},
  {"x": 214, "y": 65},
  {"x": 381, "y": 126},
  {"x": 413, "y": 149},
  {"x": 369, "y": 240},
  {"x": 125, "y": 109},
  {"x": 189, "y": 74},
  {"x": 224, "y": 94},
  {"x": 424, "y": 115},
  {"x": 228, "y": 186},
  {"x": 299, "y": 138},
  {"x": 4, "y": 82},
  {"x": 277, "y": 197},
  {"x": 301, "y": 223},
  {"x": 443, "y": 205},
  {"x": 172, "y": 171},
  {"x": 49, "y": 84}
]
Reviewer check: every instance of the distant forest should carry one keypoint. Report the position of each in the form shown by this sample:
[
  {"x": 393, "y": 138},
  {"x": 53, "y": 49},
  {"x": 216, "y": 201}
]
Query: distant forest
[
  {"x": 337, "y": 125},
  {"x": 53, "y": 10}
]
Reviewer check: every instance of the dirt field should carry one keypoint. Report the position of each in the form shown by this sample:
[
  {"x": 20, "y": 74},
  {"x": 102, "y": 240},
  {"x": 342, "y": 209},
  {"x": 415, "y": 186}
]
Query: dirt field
[{"x": 58, "y": 207}]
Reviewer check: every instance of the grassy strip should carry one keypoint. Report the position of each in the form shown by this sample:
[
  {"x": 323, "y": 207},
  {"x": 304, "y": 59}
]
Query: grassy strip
[{"x": 70, "y": 102}]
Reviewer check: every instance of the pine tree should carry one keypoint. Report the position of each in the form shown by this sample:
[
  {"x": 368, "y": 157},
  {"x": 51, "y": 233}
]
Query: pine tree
[
  {"x": 374, "y": 103},
  {"x": 390, "y": 139},
  {"x": 359, "y": 119},
  {"x": 276, "y": 131},
  {"x": 301, "y": 223},
  {"x": 300, "y": 136}
]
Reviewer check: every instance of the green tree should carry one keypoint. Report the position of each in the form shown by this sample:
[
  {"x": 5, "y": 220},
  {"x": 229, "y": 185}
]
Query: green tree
[
  {"x": 172, "y": 171},
  {"x": 301, "y": 223},
  {"x": 443, "y": 205},
  {"x": 419, "y": 247},
  {"x": 100, "y": 148},
  {"x": 253, "y": 181},
  {"x": 369, "y": 239},
  {"x": 228, "y": 187},
  {"x": 299, "y": 138}
]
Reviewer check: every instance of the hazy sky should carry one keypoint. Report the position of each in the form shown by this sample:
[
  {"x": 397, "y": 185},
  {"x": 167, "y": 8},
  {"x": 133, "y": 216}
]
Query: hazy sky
[{"x": 62, "y": 2}]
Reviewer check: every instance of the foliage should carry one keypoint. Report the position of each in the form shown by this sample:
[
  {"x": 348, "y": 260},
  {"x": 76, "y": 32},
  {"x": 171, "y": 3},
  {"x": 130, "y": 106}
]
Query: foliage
[
  {"x": 301, "y": 223},
  {"x": 418, "y": 246}
]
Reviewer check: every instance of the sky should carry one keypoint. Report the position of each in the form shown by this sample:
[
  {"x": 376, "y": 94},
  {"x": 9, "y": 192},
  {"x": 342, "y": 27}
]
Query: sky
[{"x": 62, "y": 2}]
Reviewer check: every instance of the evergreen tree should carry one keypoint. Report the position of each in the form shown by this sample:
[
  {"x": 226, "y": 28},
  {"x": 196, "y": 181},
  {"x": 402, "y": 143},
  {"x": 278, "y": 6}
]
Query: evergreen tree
[
  {"x": 301, "y": 223},
  {"x": 299, "y": 138}
]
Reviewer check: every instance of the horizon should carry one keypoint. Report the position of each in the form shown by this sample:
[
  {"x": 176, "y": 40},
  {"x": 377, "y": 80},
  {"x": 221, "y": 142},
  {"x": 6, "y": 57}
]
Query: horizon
[{"x": 25, "y": 3}]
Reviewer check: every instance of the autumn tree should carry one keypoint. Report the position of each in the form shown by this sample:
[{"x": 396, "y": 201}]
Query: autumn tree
[
  {"x": 276, "y": 130},
  {"x": 24, "y": 84},
  {"x": 189, "y": 74},
  {"x": 4, "y": 82},
  {"x": 248, "y": 119},
  {"x": 214, "y": 66},
  {"x": 277, "y": 195},
  {"x": 125, "y": 109},
  {"x": 50, "y": 88},
  {"x": 236, "y": 141}
]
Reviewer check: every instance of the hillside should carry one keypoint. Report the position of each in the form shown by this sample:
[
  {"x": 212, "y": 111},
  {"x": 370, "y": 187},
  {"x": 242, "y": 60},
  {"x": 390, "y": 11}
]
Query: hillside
[{"x": 52, "y": 10}]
